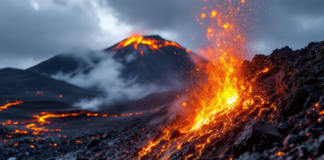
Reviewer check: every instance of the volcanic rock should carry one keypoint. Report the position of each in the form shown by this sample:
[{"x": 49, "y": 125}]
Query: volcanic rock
[
  {"x": 93, "y": 142},
  {"x": 175, "y": 134},
  {"x": 189, "y": 150},
  {"x": 284, "y": 127},
  {"x": 255, "y": 156},
  {"x": 318, "y": 147},
  {"x": 105, "y": 136},
  {"x": 296, "y": 100},
  {"x": 302, "y": 152},
  {"x": 321, "y": 120},
  {"x": 291, "y": 138},
  {"x": 3, "y": 130},
  {"x": 312, "y": 126},
  {"x": 71, "y": 141},
  {"x": 257, "y": 134},
  {"x": 304, "y": 135}
]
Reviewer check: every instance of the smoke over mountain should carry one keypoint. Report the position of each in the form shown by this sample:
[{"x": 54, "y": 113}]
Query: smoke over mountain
[
  {"x": 105, "y": 76},
  {"x": 127, "y": 71}
]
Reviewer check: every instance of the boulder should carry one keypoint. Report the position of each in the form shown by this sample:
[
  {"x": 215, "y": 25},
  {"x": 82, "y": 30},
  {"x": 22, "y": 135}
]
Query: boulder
[
  {"x": 255, "y": 156},
  {"x": 257, "y": 136},
  {"x": 290, "y": 139},
  {"x": 175, "y": 134},
  {"x": 63, "y": 143},
  {"x": 317, "y": 148},
  {"x": 106, "y": 136},
  {"x": 93, "y": 142}
]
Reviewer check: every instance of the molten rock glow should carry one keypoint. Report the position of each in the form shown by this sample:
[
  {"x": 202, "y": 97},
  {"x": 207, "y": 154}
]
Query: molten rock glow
[
  {"x": 9, "y": 104},
  {"x": 154, "y": 44}
]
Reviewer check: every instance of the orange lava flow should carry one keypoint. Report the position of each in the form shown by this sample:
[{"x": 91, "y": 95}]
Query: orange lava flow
[
  {"x": 36, "y": 126},
  {"x": 154, "y": 44},
  {"x": 42, "y": 119},
  {"x": 222, "y": 101},
  {"x": 10, "y": 104}
]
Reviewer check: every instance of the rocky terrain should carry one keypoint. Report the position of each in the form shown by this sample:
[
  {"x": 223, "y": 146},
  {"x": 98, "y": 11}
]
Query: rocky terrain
[
  {"x": 289, "y": 126},
  {"x": 117, "y": 139}
]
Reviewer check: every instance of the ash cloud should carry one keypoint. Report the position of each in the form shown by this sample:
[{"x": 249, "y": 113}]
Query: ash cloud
[
  {"x": 104, "y": 76},
  {"x": 288, "y": 23}
]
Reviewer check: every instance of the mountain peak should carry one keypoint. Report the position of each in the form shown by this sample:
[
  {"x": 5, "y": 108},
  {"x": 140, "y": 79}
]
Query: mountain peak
[{"x": 154, "y": 42}]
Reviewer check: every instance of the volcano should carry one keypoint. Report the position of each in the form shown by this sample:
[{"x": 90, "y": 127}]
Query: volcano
[{"x": 145, "y": 59}]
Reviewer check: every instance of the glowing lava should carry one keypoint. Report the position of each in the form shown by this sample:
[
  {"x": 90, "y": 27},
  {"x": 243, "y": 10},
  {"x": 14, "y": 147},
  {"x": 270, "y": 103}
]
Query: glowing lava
[
  {"x": 153, "y": 44},
  {"x": 42, "y": 119},
  {"x": 10, "y": 104},
  {"x": 215, "y": 104}
]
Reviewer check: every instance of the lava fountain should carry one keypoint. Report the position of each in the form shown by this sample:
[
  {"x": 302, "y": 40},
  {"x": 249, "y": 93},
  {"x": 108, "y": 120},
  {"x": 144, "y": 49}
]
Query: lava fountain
[{"x": 216, "y": 105}]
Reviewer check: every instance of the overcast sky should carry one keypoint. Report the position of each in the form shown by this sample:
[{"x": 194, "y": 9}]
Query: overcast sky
[{"x": 34, "y": 30}]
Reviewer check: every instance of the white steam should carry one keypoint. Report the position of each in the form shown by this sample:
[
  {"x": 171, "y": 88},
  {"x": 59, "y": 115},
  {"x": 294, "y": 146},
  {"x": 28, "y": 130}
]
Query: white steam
[{"x": 105, "y": 76}]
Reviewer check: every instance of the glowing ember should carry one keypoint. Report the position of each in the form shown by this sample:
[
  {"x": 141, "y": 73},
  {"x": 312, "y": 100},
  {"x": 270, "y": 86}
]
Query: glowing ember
[
  {"x": 203, "y": 16},
  {"x": 280, "y": 153},
  {"x": 9, "y": 104},
  {"x": 214, "y": 13},
  {"x": 153, "y": 44}
]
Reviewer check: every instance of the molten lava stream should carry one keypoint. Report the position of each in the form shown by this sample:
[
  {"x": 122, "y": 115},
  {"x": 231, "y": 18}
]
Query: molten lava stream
[
  {"x": 224, "y": 102},
  {"x": 42, "y": 119},
  {"x": 9, "y": 104}
]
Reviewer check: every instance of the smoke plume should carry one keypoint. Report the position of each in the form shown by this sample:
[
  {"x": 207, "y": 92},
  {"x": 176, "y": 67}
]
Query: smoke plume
[{"x": 102, "y": 73}]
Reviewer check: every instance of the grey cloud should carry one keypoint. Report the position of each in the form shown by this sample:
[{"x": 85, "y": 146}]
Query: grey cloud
[
  {"x": 153, "y": 14},
  {"x": 60, "y": 2},
  {"x": 292, "y": 23},
  {"x": 30, "y": 33},
  {"x": 177, "y": 17}
]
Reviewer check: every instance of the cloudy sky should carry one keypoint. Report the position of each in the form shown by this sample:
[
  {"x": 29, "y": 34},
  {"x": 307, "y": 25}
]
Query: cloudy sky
[{"x": 34, "y": 30}]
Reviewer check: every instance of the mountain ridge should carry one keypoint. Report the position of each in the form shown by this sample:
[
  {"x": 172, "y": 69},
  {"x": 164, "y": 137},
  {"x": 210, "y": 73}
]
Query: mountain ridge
[{"x": 27, "y": 85}]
